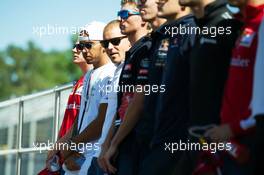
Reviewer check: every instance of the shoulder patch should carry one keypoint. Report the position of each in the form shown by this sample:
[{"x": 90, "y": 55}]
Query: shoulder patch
[{"x": 247, "y": 37}]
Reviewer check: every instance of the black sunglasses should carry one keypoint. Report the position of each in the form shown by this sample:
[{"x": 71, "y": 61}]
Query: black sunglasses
[
  {"x": 115, "y": 41},
  {"x": 81, "y": 46}
]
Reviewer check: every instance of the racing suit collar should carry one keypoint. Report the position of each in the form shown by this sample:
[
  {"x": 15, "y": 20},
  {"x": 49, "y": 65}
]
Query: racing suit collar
[
  {"x": 210, "y": 8},
  {"x": 211, "y": 11}
]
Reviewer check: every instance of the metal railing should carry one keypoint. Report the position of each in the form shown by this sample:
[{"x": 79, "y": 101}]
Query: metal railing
[{"x": 19, "y": 150}]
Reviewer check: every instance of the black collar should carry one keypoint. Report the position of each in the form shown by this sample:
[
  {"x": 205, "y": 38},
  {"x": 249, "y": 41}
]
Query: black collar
[{"x": 211, "y": 11}]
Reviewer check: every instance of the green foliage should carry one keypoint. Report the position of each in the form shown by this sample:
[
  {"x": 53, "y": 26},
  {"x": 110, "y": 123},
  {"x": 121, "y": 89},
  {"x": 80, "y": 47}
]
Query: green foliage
[{"x": 30, "y": 69}]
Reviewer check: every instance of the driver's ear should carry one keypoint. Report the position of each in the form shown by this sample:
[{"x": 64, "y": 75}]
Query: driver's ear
[
  {"x": 143, "y": 23},
  {"x": 103, "y": 50}
]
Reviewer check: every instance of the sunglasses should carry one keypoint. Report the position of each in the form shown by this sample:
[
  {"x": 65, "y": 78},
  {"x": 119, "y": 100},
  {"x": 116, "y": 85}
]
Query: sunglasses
[
  {"x": 81, "y": 46},
  {"x": 114, "y": 41},
  {"x": 124, "y": 14}
]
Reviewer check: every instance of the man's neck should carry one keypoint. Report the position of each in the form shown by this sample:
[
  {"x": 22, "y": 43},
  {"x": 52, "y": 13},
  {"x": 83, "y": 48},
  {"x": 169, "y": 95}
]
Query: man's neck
[
  {"x": 134, "y": 37},
  {"x": 103, "y": 61},
  {"x": 199, "y": 9},
  {"x": 157, "y": 22},
  {"x": 84, "y": 67}
]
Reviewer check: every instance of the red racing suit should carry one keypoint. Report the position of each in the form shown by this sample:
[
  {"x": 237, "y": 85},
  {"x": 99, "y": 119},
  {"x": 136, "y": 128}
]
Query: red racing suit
[
  {"x": 73, "y": 107},
  {"x": 239, "y": 90}
]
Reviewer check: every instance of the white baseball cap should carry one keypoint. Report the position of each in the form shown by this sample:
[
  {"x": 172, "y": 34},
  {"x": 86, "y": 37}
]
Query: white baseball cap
[{"x": 95, "y": 31}]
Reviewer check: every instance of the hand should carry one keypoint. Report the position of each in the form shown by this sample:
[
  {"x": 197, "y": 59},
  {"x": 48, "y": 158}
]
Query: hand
[
  {"x": 101, "y": 159},
  {"x": 49, "y": 163},
  {"x": 66, "y": 153},
  {"x": 70, "y": 162},
  {"x": 110, "y": 155},
  {"x": 50, "y": 155},
  {"x": 220, "y": 133},
  {"x": 56, "y": 149}
]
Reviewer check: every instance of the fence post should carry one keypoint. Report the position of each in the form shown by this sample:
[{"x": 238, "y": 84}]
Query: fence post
[
  {"x": 19, "y": 136},
  {"x": 56, "y": 115}
]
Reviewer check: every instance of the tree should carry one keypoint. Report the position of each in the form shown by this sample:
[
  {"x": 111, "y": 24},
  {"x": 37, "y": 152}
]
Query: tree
[{"x": 30, "y": 69}]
